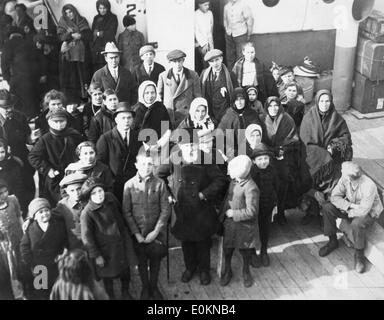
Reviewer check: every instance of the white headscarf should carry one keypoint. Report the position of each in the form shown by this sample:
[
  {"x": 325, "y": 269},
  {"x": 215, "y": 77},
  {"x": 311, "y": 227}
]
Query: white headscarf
[
  {"x": 252, "y": 127},
  {"x": 142, "y": 88},
  {"x": 197, "y": 102},
  {"x": 240, "y": 167}
]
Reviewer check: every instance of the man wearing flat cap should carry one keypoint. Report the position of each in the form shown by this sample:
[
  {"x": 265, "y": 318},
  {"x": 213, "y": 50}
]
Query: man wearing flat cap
[
  {"x": 148, "y": 69},
  {"x": 177, "y": 87},
  {"x": 54, "y": 151},
  {"x": 113, "y": 76},
  {"x": 119, "y": 147},
  {"x": 216, "y": 84}
]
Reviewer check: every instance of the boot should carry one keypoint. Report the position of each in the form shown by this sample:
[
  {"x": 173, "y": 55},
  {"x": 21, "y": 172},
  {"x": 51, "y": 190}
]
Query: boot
[
  {"x": 329, "y": 247},
  {"x": 359, "y": 260},
  {"x": 125, "y": 290},
  {"x": 154, "y": 278},
  {"x": 205, "y": 278},
  {"x": 247, "y": 277},
  {"x": 108, "y": 285},
  {"x": 255, "y": 260},
  {"x": 143, "y": 271},
  {"x": 187, "y": 276},
  {"x": 227, "y": 274},
  {"x": 264, "y": 258}
]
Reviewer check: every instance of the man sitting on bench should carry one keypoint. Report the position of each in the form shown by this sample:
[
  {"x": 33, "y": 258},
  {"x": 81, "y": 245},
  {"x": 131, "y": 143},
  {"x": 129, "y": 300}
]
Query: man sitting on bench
[{"x": 356, "y": 199}]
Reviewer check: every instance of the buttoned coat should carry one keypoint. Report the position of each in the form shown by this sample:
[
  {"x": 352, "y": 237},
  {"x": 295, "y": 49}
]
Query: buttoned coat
[{"x": 177, "y": 98}]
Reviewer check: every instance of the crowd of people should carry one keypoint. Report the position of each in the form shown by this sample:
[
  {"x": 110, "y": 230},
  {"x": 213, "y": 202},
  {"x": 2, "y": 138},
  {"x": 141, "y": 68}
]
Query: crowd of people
[{"x": 135, "y": 148}]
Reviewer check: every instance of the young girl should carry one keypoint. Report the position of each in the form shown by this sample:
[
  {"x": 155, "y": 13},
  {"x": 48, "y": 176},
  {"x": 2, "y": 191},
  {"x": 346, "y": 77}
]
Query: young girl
[
  {"x": 240, "y": 210},
  {"x": 254, "y": 103},
  {"x": 43, "y": 240},
  {"x": 105, "y": 236},
  {"x": 265, "y": 177},
  {"x": 10, "y": 237},
  {"x": 75, "y": 281}
]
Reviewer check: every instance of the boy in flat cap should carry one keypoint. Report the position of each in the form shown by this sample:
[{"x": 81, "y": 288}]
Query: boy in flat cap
[
  {"x": 129, "y": 42},
  {"x": 54, "y": 151},
  {"x": 177, "y": 87},
  {"x": 148, "y": 69},
  {"x": 217, "y": 84}
]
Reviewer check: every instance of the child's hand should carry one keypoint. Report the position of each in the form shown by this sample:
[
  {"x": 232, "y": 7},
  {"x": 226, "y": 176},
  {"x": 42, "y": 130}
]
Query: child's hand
[
  {"x": 52, "y": 173},
  {"x": 100, "y": 262},
  {"x": 229, "y": 213},
  {"x": 139, "y": 238},
  {"x": 150, "y": 237}
]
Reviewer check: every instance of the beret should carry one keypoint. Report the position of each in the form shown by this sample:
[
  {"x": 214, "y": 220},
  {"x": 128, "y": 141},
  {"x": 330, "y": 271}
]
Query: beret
[
  {"x": 175, "y": 55},
  {"x": 214, "y": 53}
]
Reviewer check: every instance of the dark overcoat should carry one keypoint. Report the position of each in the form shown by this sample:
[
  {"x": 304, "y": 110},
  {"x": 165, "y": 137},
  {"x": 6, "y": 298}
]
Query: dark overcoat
[{"x": 141, "y": 75}]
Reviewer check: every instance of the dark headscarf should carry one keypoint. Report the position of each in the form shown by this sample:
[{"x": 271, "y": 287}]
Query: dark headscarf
[
  {"x": 78, "y": 24},
  {"x": 239, "y": 92}
]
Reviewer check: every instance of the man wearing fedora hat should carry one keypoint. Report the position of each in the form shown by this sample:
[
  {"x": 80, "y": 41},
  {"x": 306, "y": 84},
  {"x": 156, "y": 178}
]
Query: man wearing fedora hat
[
  {"x": 148, "y": 69},
  {"x": 177, "y": 87},
  {"x": 119, "y": 147},
  {"x": 113, "y": 76}
]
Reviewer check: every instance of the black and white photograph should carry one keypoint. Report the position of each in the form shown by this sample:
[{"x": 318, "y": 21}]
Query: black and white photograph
[{"x": 213, "y": 151}]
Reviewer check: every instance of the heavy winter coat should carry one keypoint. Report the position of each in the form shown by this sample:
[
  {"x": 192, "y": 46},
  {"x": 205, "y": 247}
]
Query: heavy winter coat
[{"x": 101, "y": 123}]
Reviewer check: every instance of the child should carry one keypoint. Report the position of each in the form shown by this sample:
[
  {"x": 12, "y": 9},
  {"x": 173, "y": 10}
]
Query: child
[
  {"x": 129, "y": 42},
  {"x": 75, "y": 280},
  {"x": 10, "y": 237},
  {"x": 53, "y": 152},
  {"x": 147, "y": 210},
  {"x": 149, "y": 69},
  {"x": 43, "y": 240},
  {"x": 253, "y": 136},
  {"x": 105, "y": 237},
  {"x": 254, "y": 103},
  {"x": 240, "y": 211},
  {"x": 293, "y": 104},
  {"x": 266, "y": 179},
  {"x": 103, "y": 121},
  {"x": 95, "y": 91}
]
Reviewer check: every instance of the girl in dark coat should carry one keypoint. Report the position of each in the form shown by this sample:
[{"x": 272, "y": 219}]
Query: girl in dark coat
[
  {"x": 289, "y": 157},
  {"x": 76, "y": 67},
  {"x": 104, "y": 28},
  {"x": 265, "y": 176},
  {"x": 238, "y": 117},
  {"x": 54, "y": 151},
  {"x": 106, "y": 237},
  {"x": 328, "y": 141},
  {"x": 150, "y": 112},
  {"x": 240, "y": 212},
  {"x": 43, "y": 240}
]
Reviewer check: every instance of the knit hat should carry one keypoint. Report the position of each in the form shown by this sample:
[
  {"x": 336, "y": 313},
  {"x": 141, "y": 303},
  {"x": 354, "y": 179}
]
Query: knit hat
[
  {"x": 261, "y": 150},
  {"x": 57, "y": 113},
  {"x": 90, "y": 184},
  {"x": 128, "y": 21},
  {"x": 73, "y": 178},
  {"x": 251, "y": 128},
  {"x": 212, "y": 54},
  {"x": 145, "y": 49},
  {"x": 240, "y": 167},
  {"x": 307, "y": 69},
  {"x": 175, "y": 55},
  {"x": 36, "y": 205}
]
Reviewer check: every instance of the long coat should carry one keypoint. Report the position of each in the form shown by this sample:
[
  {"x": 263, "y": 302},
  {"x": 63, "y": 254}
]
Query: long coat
[
  {"x": 177, "y": 98},
  {"x": 104, "y": 233},
  {"x": 54, "y": 152},
  {"x": 130, "y": 42},
  {"x": 141, "y": 75},
  {"x": 241, "y": 231},
  {"x": 121, "y": 159},
  {"x": 196, "y": 219},
  {"x": 125, "y": 88}
]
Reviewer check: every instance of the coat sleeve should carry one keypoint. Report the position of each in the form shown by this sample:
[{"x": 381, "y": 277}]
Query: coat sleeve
[
  {"x": 6, "y": 61},
  {"x": 165, "y": 208},
  {"x": 251, "y": 209},
  {"x": 94, "y": 131},
  {"x": 160, "y": 88},
  {"x": 87, "y": 235},
  {"x": 218, "y": 183},
  {"x": 37, "y": 157},
  {"x": 127, "y": 209},
  {"x": 26, "y": 250},
  {"x": 338, "y": 196},
  {"x": 102, "y": 150},
  {"x": 163, "y": 172},
  {"x": 369, "y": 193}
]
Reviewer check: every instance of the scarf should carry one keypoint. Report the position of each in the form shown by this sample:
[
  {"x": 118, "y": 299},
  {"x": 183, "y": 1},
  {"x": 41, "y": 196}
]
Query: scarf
[
  {"x": 238, "y": 69},
  {"x": 80, "y": 167},
  {"x": 207, "y": 75},
  {"x": 141, "y": 90}
]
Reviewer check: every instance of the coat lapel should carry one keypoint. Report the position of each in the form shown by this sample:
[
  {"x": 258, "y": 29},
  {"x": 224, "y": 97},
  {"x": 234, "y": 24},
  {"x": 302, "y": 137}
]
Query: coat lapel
[
  {"x": 183, "y": 86},
  {"x": 110, "y": 79}
]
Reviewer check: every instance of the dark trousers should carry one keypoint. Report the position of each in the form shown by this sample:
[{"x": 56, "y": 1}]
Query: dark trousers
[
  {"x": 283, "y": 173},
  {"x": 125, "y": 279},
  {"x": 197, "y": 254},
  {"x": 245, "y": 253},
  {"x": 358, "y": 224},
  {"x": 265, "y": 216},
  {"x": 234, "y": 48}
]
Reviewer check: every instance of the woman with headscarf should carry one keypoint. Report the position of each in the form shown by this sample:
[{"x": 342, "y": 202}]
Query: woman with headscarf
[
  {"x": 74, "y": 33},
  {"x": 253, "y": 135},
  {"x": 289, "y": 159},
  {"x": 104, "y": 28},
  {"x": 150, "y": 113},
  {"x": 328, "y": 141},
  {"x": 238, "y": 118}
]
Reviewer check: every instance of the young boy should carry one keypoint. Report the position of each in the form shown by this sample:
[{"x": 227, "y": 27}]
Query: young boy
[
  {"x": 43, "y": 240},
  {"x": 146, "y": 209},
  {"x": 149, "y": 69},
  {"x": 129, "y": 42},
  {"x": 103, "y": 121},
  {"x": 266, "y": 179}
]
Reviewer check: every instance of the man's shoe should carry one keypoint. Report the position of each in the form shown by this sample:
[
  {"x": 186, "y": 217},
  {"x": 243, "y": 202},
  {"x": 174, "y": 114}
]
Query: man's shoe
[
  {"x": 265, "y": 259},
  {"x": 248, "y": 280},
  {"x": 255, "y": 260},
  {"x": 226, "y": 278},
  {"x": 156, "y": 294},
  {"x": 205, "y": 278},
  {"x": 359, "y": 261},
  {"x": 328, "y": 248},
  {"x": 187, "y": 276}
]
